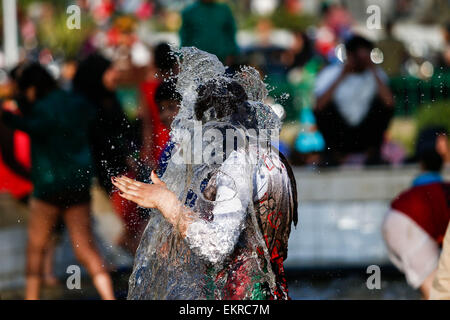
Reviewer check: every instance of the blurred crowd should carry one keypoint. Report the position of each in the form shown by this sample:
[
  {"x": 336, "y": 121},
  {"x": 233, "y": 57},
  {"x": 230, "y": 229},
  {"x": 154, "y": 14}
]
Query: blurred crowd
[
  {"x": 313, "y": 70},
  {"x": 105, "y": 109}
]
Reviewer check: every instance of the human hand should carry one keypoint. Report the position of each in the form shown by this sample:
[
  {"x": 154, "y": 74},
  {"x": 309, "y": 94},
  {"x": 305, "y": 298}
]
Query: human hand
[
  {"x": 150, "y": 196},
  {"x": 155, "y": 196}
]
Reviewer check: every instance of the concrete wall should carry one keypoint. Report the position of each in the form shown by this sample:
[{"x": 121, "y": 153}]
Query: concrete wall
[{"x": 341, "y": 213}]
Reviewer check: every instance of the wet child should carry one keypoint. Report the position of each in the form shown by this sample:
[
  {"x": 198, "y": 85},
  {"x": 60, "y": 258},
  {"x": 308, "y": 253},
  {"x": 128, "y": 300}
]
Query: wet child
[{"x": 227, "y": 236}]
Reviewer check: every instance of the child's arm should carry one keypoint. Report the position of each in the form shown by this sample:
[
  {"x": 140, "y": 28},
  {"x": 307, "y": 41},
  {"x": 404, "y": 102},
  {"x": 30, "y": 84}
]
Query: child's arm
[{"x": 212, "y": 240}]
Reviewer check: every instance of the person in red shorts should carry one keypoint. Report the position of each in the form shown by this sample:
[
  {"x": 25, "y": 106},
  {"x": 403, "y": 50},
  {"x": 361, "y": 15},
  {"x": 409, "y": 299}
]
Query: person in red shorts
[{"x": 416, "y": 224}]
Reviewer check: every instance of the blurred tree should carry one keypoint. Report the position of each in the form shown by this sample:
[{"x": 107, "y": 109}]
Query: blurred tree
[
  {"x": 60, "y": 4},
  {"x": 434, "y": 115},
  {"x": 283, "y": 19},
  {"x": 54, "y": 34}
]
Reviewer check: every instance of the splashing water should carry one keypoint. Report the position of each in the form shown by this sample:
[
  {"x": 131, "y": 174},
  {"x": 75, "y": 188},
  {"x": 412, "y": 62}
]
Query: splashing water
[{"x": 224, "y": 255}]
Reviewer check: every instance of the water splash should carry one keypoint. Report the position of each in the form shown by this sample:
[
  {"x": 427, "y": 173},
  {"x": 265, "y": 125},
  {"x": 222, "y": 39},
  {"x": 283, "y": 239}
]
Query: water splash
[{"x": 237, "y": 265}]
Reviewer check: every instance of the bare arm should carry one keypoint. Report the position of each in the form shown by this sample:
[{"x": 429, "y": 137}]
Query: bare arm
[
  {"x": 383, "y": 90},
  {"x": 211, "y": 240},
  {"x": 155, "y": 196}
]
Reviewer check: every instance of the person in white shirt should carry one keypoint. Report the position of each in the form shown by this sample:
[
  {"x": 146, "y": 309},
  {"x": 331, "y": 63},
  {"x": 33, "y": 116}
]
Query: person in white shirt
[{"x": 354, "y": 104}]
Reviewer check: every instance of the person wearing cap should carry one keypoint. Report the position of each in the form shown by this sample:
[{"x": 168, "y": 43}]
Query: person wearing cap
[
  {"x": 415, "y": 226},
  {"x": 209, "y": 25}
]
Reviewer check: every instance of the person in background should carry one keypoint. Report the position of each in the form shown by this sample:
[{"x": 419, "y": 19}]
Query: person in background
[
  {"x": 309, "y": 142},
  {"x": 14, "y": 170},
  {"x": 168, "y": 100},
  {"x": 444, "y": 58},
  {"x": 394, "y": 52},
  {"x": 300, "y": 53},
  {"x": 57, "y": 122},
  {"x": 111, "y": 135},
  {"x": 155, "y": 134},
  {"x": 415, "y": 226},
  {"x": 9, "y": 136},
  {"x": 68, "y": 71},
  {"x": 440, "y": 289},
  {"x": 442, "y": 68},
  {"x": 354, "y": 105},
  {"x": 113, "y": 139},
  {"x": 210, "y": 26},
  {"x": 15, "y": 166}
]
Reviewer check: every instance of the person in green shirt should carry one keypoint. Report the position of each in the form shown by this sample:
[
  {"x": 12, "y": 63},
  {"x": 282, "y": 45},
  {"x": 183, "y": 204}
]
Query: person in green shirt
[
  {"x": 210, "y": 26},
  {"x": 57, "y": 122}
]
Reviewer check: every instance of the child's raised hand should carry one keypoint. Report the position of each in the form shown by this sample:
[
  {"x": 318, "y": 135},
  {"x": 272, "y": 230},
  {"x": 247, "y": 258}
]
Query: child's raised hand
[{"x": 145, "y": 195}]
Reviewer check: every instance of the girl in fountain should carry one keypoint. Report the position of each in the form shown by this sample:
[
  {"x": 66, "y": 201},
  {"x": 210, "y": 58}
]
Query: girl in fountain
[{"x": 227, "y": 238}]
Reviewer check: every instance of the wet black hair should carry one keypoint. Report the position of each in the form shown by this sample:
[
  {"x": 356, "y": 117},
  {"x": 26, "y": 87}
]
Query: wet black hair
[
  {"x": 167, "y": 90},
  {"x": 356, "y": 42},
  {"x": 165, "y": 59},
  {"x": 426, "y": 152},
  {"x": 225, "y": 97},
  {"x": 35, "y": 75}
]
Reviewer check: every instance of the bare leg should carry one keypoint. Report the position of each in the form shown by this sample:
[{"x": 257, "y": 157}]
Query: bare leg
[
  {"x": 43, "y": 217},
  {"x": 49, "y": 277},
  {"x": 78, "y": 223}
]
